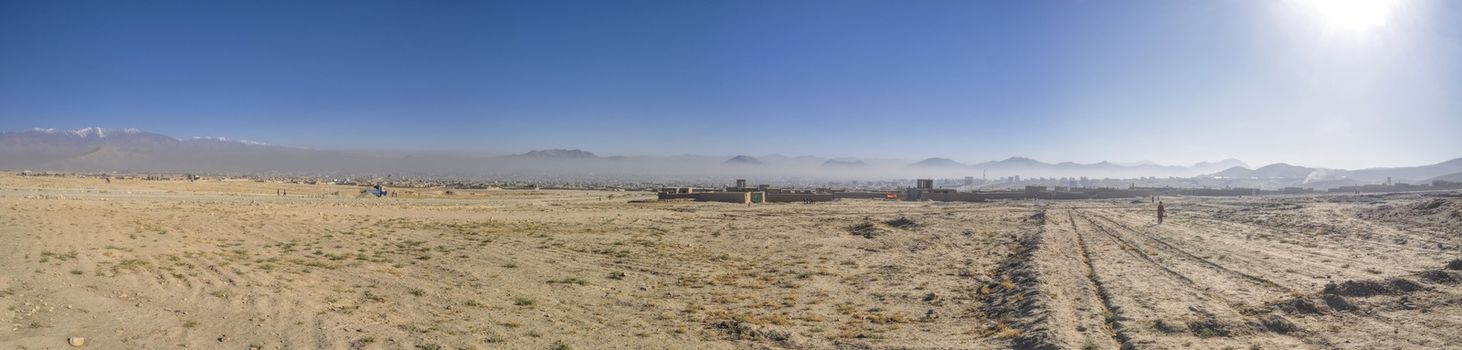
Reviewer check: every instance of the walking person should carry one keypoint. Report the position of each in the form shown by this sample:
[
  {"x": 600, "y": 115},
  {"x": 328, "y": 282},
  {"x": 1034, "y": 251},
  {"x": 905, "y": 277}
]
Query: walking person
[{"x": 1160, "y": 213}]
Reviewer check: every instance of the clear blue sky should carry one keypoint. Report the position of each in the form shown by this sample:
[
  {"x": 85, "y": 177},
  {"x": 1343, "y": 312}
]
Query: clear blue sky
[{"x": 1321, "y": 83}]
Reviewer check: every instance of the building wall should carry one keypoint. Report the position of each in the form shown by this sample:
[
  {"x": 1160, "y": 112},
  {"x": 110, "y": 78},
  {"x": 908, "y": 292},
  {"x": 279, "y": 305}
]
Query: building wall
[
  {"x": 664, "y": 195},
  {"x": 798, "y": 197},
  {"x": 952, "y": 197},
  {"x": 1003, "y": 194},
  {"x": 861, "y": 195},
  {"x": 727, "y": 197},
  {"x": 1062, "y": 195},
  {"x": 1214, "y": 192},
  {"x": 1108, "y": 194}
]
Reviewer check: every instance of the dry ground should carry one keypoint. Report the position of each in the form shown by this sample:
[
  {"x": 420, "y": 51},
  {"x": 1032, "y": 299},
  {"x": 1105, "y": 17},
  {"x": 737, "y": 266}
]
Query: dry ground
[{"x": 168, "y": 264}]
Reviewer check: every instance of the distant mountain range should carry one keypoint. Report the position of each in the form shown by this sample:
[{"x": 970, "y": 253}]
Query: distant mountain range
[
  {"x": 1272, "y": 171},
  {"x": 559, "y": 154},
  {"x": 1031, "y": 167},
  {"x": 98, "y": 149},
  {"x": 1453, "y": 177},
  {"x": 937, "y": 163},
  {"x": 131, "y": 149},
  {"x": 744, "y": 160},
  {"x": 1280, "y": 171}
]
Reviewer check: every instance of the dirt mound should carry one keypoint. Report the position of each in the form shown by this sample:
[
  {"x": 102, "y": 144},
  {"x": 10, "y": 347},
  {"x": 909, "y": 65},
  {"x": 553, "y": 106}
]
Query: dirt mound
[
  {"x": 1299, "y": 306},
  {"x": 1442, "y": 276},
  {"x": 1356, "y": 288},
  {"x": 1039, "y": 217},
  {"x": 869, "y": 229},
  {"x": 866, "y": 229},
  {"x": 1276, "y": 206},
  {"x": 1015, "y": 302},
  {"x": 1438, "y": 213},
  {"x": 1372, "y": 288},
  {"x": 1338, "y": 303},
  {"x": 1364, "y": 289},
  {"x": 1209, "y": 328},
  {"x": 902, "y": 222},
  {"x": 1402, "y": 285},
  {"x": 1278, "y": 324},
  {"x": 737, "y": 330},
  {"x": 1334, "y": 294},
  {"x": 1429, "y": 205}
]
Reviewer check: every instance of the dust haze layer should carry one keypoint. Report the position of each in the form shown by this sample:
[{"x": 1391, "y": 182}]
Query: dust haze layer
[{"x": 132, "y": 150}]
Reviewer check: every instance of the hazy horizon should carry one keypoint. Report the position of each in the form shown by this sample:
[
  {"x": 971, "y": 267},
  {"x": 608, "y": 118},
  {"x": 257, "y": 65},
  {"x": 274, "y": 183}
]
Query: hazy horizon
[
  {"x": 481, "y": 153},
  {"x": 1332, "y": 84}
]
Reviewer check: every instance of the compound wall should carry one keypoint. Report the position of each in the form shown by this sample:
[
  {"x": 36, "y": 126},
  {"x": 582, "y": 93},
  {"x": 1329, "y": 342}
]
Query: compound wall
[
  {"x": 861, "y": 195},
  {"x": 727, "y": 197},
  {"x": 798, "y": 197},
  {"x": 663, "y": 195}
]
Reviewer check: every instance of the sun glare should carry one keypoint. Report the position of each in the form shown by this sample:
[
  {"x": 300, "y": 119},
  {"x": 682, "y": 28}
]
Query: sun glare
[{"x": 1355, "y": 17}]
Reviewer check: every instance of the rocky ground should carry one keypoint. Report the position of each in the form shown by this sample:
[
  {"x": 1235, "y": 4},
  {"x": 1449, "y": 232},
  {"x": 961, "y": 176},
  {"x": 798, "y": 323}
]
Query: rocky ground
[{"x": 168, "y": 264}]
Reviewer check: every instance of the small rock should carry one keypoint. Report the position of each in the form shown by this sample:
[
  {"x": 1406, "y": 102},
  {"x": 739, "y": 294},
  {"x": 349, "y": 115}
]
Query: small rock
[{"x": 76, "y": 341}]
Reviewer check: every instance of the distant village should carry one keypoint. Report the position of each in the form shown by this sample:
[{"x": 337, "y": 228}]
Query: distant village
[
  {"x": 925, "y": 190},
  {"x": 967, "y": 189}
]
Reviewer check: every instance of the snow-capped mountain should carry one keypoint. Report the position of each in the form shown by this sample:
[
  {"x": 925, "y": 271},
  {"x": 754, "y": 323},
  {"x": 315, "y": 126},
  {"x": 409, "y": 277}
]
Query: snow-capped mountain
[{"x": 98, "y": 148}]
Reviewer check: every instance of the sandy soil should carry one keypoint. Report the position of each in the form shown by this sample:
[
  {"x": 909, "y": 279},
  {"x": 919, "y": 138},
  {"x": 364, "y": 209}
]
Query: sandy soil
[{"x": 168, "y": 264}]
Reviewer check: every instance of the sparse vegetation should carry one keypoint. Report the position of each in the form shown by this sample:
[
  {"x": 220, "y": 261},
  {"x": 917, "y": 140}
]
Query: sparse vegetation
[
  {"x": 570, "y": 280},
  {"x": 694, "y": 275}
]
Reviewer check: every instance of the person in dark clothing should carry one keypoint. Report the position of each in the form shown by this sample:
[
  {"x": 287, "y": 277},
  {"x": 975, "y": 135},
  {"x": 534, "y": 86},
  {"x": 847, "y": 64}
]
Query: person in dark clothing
[{"x": 1160, "y": 213}]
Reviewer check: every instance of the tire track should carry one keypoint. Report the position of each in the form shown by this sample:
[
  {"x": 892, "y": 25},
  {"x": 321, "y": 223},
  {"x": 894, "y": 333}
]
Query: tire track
[
  {"x": 1118, "y": 335},
  {"x": 1138, "y": 252},
  {"x": 1184, "y": 253},
  {"x": 1149, "y": 311},
  {"x": 1348, "y": 254}
]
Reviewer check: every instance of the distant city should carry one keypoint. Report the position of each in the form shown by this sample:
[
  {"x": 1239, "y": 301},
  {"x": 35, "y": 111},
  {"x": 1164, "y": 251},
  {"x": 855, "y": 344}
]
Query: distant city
[{"x": 137, "y": 153}]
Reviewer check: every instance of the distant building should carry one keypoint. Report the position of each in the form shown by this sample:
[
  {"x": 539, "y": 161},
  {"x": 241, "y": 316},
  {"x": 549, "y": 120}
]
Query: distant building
[{"x": 924, "y": 184}]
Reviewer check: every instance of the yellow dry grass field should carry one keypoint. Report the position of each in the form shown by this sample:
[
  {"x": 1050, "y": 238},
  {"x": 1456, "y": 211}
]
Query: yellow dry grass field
[{"x": 136, "y": 264}]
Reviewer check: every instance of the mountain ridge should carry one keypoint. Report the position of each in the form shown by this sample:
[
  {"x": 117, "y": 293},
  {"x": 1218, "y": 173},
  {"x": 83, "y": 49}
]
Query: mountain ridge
[{"x": 103, "y": 149}]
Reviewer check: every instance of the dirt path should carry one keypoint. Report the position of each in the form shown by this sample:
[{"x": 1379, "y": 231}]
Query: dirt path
[{"x": 1079, "y": 301}]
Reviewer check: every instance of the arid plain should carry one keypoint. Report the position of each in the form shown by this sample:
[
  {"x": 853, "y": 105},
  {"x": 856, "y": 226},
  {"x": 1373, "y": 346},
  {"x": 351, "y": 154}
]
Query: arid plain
[{"x": 137, "y": 264}]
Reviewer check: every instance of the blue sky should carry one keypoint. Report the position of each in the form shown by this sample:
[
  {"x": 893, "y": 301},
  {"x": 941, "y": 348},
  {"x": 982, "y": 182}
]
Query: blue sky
[{"x": 1375, "y": 83}]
